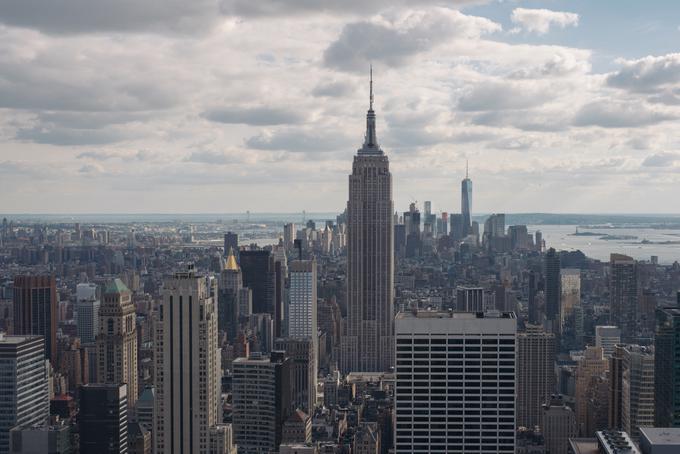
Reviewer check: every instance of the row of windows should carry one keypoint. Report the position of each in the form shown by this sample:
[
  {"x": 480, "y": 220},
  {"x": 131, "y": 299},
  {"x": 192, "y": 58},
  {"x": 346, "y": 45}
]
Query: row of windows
[{"x": 510, "y": 340}]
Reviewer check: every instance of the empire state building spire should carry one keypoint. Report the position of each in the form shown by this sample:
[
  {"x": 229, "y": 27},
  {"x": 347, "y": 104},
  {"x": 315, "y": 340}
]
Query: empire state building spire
[{"x": 371, "y": 140}]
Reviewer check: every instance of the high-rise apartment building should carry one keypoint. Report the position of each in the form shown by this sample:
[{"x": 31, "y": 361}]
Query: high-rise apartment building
[
  {"x": 552, "y": 290},
  {"x": 117, "y": 339},
  {"x": 103, "y": 419},
  {"x": 470, "y": 299},
  {"x": 302, "y": 310},
  {"x": 536, "y": 353},
  {"x": 188, "y": 369},
  {"x": 367, "y": 344},
  {"x": 87, "y": 306},
  {"x": 466, "y": 202},
  {"x": 261, "y": 401},
  {"x": 623, "y": 291},
  {"x": 35, "y": 310},
  {"x": 631, "y": 389},
  {"x": 24, "y": 398},
  {"x": 667, "y": 368},
  {"x": 455, "y": 382}
]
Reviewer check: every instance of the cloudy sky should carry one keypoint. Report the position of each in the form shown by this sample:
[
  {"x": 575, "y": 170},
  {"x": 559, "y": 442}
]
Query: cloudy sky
[{"x": 234, "y": 105}]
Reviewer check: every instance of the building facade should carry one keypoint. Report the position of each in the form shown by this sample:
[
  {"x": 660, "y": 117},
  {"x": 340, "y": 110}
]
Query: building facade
[
  {"x": 261, "y": 401},
  {"x": 35, "y": 310},
  {"x": 87, "y": 306},
  {"x": 103, "y": 419},
  {"x": 188, "y": 368},
  {"x": 117, "y": 339},
  {"x": 536, "y": 354},
  {"x": 455, "y": 382},
  {"x": 24, "y": 398}
]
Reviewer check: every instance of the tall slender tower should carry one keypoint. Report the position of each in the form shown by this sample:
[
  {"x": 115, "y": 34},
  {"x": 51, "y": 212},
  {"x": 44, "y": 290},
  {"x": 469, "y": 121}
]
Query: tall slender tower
[
  {"x": 117, "y": 339},
  {"x": 188, "y": 371},
  {"x": 466, "y": 202},
  {"x": 35, "y": 310},
  {"x": 367, "y": 343}
]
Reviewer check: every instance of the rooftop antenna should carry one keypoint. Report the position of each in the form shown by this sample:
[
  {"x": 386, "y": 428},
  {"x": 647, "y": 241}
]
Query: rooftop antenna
[
  {"x": 466, "y": 168},
  {"x": 371, "y": 85}
]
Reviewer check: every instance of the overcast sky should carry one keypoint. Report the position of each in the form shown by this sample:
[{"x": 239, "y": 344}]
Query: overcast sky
[{"x": 234, "y": 105}]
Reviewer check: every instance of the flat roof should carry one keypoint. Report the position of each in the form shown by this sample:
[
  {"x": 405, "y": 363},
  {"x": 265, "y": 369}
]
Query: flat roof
[
  {"x": 455, "y": 315},
  {"x": 661, "y": 435},
  {"x": 584, "y": 445}
]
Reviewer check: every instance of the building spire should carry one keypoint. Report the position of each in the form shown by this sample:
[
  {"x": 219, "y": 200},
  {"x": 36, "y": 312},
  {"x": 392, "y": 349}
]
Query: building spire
[
  {"x": 467, "y": 166},
  {"x": 371, "y": 139},
  {"x": 371, "y": 89}
]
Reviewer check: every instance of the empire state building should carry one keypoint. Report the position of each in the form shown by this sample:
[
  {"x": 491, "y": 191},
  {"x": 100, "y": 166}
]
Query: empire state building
[{"x": 367, "y": 343}]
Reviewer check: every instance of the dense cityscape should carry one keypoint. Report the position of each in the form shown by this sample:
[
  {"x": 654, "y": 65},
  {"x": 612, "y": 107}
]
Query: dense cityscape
[{"x": 376, "y": 331}]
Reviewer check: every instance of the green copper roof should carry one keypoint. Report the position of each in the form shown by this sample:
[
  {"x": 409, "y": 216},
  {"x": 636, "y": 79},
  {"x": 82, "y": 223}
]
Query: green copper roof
[{"x": 115, "y": 286}]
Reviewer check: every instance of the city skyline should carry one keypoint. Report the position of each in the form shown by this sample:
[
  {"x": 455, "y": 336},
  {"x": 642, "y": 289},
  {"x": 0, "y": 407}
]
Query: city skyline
[{"x": 573, "y": 114}]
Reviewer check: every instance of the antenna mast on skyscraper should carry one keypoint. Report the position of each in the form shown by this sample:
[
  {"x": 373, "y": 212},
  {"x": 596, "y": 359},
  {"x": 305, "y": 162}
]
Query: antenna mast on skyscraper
[
  {"x": 371, "y": 85},
  {"x": 466, "y": 168}
]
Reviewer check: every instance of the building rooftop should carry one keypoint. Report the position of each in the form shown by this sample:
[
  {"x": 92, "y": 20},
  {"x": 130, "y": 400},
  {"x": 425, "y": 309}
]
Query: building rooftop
[
  {"x": 615, "y": 442},
  {"x": 455, "y": 315},
  {"x": 584, "y": 446},
  {"x": 661, "y": 435},
  {"x": 115, "y": 286}
]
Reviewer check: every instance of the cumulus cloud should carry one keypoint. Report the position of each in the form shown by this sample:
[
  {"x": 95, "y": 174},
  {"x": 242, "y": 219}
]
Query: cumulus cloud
[
  {"x": 497, "y": 95},
  {"x": 395, "y": 41},
  {"x": 616, "y": 114},
  {"x": 661, "y": 160},
  {"x": 257, "y": 116},
  {"x": 541, "y": 20},
  {"x": 647, "y": 74}
]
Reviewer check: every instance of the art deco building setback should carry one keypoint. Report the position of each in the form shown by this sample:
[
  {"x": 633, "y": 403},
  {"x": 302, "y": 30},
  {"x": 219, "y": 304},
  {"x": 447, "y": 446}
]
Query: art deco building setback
[{"x": 455, "y": 382}]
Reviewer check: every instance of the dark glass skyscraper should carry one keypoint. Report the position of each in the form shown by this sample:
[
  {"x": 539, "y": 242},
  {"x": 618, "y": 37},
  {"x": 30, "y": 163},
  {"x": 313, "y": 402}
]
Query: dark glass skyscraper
[
  {"x": 623, "y": 291},
  {"x": 367, "y": 345},
  {"x": 552, "y": 289},
  {"x": 466, "y": 203},
  {"x": 103, "y": 419},
  {"x": 35, "y": 310},
  {"x": 667, "y": 368}
]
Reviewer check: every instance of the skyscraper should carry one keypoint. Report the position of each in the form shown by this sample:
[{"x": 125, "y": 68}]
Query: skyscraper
[
  {"x": 666, "y": 368},
  {"x": 455, "y": 382},
  {"x": 188, "y": 369},
  {"x": 87, "y": 305},
  {"x": 117, "y": 339},
  {"x": 103, "y": 419},
  {"x": 229, "y": 291},
  {"x": 35, "y": 310},
  {"x": 559, "y": 425},
  {"x": 466, "y": 202},
  {"x": 588, "y": 370},
  {"x": 552, "y": 290},
  {"x": 231, "y": 244},
  {"x": 303, "y": 371},
  {"x": 536, "y": 355},
  {"x": 302, "y": 321},
  {"x": 623, "y": 290},
  {"x": 368, "y": 342},
  {"x": 257, "y": 276},
  {"x": 631, "y": 389},
  {"x": 607, "y": 337},
  {"x": 24, "y": 399},
  {"x": 261, "y": 401},
  {"x": 570, "y": 294}
]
